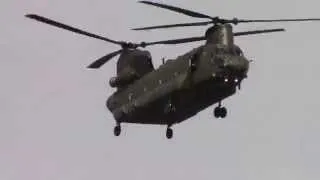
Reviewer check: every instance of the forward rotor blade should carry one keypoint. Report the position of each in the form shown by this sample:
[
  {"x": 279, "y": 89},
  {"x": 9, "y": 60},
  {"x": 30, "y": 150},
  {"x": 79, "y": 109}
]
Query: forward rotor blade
[
  {"x": 194, "y": 39},
  {"x": 218, "y": 20},
  {"x": 277, "y": 20},
  {"x": 69, "y": 28},
  {"x": 177, "y": 9},
  {"x": 177, "y": 41},
  {"x": 257, "y": 32},
  {"x": 98, "y": 63},
  {"x": 174, "y": 25}
]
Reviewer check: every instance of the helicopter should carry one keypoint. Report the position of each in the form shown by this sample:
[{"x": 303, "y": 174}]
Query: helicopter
[{"x": 181, "y": 87}]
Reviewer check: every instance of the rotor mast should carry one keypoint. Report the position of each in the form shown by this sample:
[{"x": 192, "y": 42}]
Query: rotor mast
[{"x": 220, "y": 34}]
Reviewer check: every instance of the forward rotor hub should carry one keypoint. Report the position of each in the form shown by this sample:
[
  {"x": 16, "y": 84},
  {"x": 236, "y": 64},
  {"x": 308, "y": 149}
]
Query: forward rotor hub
[
  {"x": 218, "y": 20},
  {"x": 130, "y": 45}
]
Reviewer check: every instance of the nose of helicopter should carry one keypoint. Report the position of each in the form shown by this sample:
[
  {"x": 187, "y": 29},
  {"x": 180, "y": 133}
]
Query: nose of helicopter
[{"x": 237, "y": 66}]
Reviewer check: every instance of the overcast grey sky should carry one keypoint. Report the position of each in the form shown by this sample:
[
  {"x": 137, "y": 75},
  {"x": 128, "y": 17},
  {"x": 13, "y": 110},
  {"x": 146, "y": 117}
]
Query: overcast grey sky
[{"x": 54, "y": 125}]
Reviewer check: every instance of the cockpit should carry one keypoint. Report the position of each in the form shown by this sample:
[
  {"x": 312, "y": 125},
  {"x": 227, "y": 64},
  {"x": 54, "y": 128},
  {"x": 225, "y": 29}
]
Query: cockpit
[{"x": 231, "y": 60}]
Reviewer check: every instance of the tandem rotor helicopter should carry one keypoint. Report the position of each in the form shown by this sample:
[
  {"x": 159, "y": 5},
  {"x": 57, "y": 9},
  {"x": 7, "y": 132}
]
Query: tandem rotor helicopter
[{"x": 179, "y": 88}]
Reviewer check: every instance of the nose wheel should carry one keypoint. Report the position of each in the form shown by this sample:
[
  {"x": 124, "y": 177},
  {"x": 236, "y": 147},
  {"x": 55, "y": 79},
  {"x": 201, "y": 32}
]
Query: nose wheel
[
  {"x": 117, "y": 130},
  {"x": 169, "y": 133},
  {"x": 220, "y": 112},
  {"x": 170, "y": 110}
]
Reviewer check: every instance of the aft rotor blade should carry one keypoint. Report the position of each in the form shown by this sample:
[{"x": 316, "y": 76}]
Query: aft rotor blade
[
  {"x": 177, "y": 41},
  {"x": 69, "y": 28},
  {"x": 98, "y": 63},
  {"x": 177, "y": 9},
  {"x": 257, "y": 32},
  {"x": 174, "y": 25},
  {"x": 277, "y": 20}
]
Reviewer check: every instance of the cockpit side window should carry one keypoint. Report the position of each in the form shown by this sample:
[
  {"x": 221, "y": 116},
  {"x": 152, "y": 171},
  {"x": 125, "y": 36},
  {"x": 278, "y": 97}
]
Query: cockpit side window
[{"x": 238, "y": 51}]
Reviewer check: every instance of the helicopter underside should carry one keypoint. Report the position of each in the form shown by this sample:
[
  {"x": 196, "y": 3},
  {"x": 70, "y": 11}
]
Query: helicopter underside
[{"x": 182, "y": 105}]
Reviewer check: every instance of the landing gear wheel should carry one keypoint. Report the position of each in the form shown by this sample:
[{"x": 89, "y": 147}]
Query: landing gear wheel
[
  {"x": 220, "y": 112},
  {"x": 169, "y": 133},
  {"x": 216, "y": 112},
  {"x": 117, "y": 130},
  {"x": 223, "y": 112}
]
